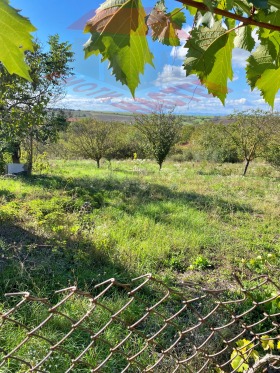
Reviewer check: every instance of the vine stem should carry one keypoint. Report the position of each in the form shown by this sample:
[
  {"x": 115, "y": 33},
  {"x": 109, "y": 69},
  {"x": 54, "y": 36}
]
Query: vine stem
[
  {"x": 178, "y": 10},
  {"x": 225, "y": 13}
]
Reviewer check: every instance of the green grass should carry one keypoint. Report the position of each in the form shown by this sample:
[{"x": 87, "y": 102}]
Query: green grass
[
  {"x": 79, "y": 225},
  {"x": 130, "y": 218}
]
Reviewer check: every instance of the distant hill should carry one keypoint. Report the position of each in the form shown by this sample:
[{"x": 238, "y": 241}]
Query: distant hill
[
  {"x": 127, "y": 117},
  {"x": 100, "y": 115}
]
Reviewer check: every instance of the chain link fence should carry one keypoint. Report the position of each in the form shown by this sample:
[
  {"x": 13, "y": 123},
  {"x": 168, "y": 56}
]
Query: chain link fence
[{"x": 145, "y": 326}]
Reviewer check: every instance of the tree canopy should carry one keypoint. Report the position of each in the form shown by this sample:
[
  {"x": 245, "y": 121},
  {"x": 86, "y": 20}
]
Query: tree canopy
[
  {"x": 161, "y": 130},
  {"x": 118, "y": 32},
  {"x": 24, "y": 112}
]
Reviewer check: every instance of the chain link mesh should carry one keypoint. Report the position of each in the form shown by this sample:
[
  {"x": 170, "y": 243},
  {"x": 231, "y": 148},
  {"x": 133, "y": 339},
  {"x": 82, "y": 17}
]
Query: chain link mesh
[{"x": 145, "y": 326}]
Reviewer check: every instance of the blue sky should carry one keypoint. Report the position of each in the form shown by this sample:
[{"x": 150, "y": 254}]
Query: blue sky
[{"x": 93, "y": 87}]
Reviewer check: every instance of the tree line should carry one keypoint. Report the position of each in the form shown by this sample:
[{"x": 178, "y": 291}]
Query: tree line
[{"x": 239, "y": 138}]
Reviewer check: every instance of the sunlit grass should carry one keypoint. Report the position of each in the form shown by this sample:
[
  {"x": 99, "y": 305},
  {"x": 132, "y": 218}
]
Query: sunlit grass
[
  {"x": 141, "y": 219},
  {"x": 79, "y": 225}
]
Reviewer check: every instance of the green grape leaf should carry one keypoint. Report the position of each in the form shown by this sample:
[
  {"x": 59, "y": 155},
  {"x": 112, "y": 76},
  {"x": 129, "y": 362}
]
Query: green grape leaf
[
  {"x": 205, "y": 19},
  {"x": 230, "y": 23},
  {"x": 229, "y": 4},
  {"x": 269, "y": 85},
  {"x": 15, "y": 39},
  {"x": 255, "y": 355},
  {"x": 209, "y": 57},
  {"x": 260, "y": 4},
  {"x": 208, "y": 3},
  {"x": 258, "y": 62},
  {"x": 263, "y": 69},
  {"x": 165, "y": 26},
  {"x": 118, "y": 33},
  {"x": 224, "y": 5},
  {"x": 269, "y": 16},
  {"x": 192, "y": 9},
  {"x": 238, "y": 362},
  {"x": 274, "y": 3},
  {"x": 244, "y": 345},
  {"x": 244, "y": 39},
  {"x": 267, "y": 344},
  {"x": 243, "y": 4}
]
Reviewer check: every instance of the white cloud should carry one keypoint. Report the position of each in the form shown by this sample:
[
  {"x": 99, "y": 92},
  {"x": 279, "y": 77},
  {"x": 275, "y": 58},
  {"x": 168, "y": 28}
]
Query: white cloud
[
  {"x": 180, "y": 52},
  {"x": 239, "y": 101},
  {"x": 185, "y": 104},
  {"x": 239, "y": 57},
  {"x": 255, "y": 36},
  {"x": 85, "y": 103},
  {"x": 170, "y": 75}
]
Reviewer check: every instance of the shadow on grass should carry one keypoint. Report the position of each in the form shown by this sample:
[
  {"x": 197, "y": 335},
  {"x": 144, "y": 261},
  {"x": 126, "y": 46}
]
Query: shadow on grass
[
  {"x": 34, "y": 263},
  {"x": 6, "y": 195},
  {"x": 29, "y": 262}
]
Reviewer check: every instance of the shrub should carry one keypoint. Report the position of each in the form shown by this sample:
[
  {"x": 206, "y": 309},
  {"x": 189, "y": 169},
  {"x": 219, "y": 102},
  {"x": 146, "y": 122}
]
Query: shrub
[
  {"x": 272, "y": 155},
  {"x": 200, "y": 262}
]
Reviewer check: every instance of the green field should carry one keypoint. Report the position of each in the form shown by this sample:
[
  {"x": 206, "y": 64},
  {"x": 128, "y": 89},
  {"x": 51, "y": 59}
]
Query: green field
[
  {"x": 190, "y": 220},
  {"x": 189, "y": 223}
]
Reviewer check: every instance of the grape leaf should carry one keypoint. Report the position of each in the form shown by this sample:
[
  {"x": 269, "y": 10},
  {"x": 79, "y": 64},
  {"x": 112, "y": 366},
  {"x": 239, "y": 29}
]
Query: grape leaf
[
  {"x": 165, "y": 26},
  {"x": 118, "y": 33},
  {"x": 243, "y": 4},
  {"x": 208, "y": 3},
  {"x": 228, "y": 4},
  {"x": 258, "y": 62},
  {"x": 263, "y": 69},
  {"x": 205, "y": 19},
  {"x": 274, "y": 3},
  {"x": 269, "y": 85},
  {"x": 209, "y": 57},
  {"x": 272, "y": 17},
  {"x": 238, "y": 362},
  {"x": 15, "y": 39},
  {"x": 260, "y": 4},
  {"x": 224, "y": 5},
  {"x": 192, "y": 9},
  {"x": 244, "y": 39},
  {"x": 267, "y": 344}
]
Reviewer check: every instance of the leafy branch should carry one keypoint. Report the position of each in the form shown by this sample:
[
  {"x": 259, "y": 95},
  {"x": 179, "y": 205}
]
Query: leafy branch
[
  {"x": 245, "y": 20},
  {"x": 118, "y": 32}
]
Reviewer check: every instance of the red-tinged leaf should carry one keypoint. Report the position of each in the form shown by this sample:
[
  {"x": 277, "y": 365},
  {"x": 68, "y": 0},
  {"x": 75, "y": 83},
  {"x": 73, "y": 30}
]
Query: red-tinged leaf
[
  {"x": 118, "y": 20},
  {"x": 118, "y": 33},
  {"x": 165, "y": 26}
]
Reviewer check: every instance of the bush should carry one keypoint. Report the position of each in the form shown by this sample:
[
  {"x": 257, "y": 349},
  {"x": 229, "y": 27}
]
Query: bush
[
  {"x": 272, "y": 155},
  {"x": 182, "y": 155},
  {"x": 210, "y": 143}
]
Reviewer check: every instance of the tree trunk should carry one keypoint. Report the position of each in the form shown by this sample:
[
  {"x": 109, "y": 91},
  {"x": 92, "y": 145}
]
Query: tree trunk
[
  {"x": 16, "y": 153},
  {"x": 30, "y": 157},
  {"x": 2, "y": 164},
  {"x": 246, "y": 166},
  {"x": 98, "y": 163}
]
